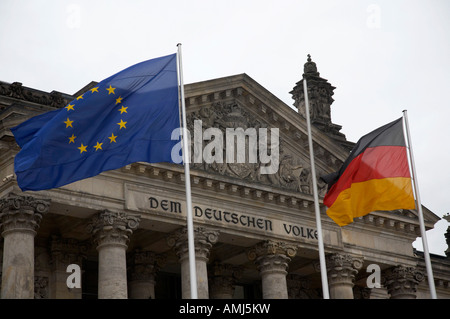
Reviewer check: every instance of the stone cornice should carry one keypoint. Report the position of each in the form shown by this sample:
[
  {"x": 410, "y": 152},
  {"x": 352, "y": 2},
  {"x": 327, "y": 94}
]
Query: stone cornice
[
  {"x": 404, "y": 222},
  {"x": 204, "y": 181},
  {"x": 16, "y": 91},
  {"x": 399, "y": 221}
]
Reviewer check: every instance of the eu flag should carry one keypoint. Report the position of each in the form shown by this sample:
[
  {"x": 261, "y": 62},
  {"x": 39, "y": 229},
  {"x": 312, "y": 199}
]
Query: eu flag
[{"x": 126, "y": 118}]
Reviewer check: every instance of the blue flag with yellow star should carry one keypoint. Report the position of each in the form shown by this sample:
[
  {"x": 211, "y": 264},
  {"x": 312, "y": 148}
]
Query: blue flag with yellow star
[{"x": 128, "y": 117}]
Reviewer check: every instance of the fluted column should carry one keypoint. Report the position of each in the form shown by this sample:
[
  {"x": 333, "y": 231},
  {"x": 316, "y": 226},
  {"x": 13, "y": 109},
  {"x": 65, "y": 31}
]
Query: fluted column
[
  {"x": 203, "y": 240},
  {"x": 111, "y": 232},
  {"x": 20, "y": 217},
  {"x": 143, "y": 266},
  {"x": 341, "y": 269},
  {"x": 401, "y": 282},
  {"x": 65, "y": 251},
  {"x": 272, "y": 259}
]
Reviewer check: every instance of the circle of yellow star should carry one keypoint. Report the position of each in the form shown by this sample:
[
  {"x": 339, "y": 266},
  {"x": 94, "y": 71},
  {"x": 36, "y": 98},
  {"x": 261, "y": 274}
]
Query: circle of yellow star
[
  {"x": 72, "y": 139},
  {"x": 94, "y": 89},
  {"x": 98, "y": 146},
  {"x": 122, "y": 124},
  {"x": 80, "y": 97},
  {"x": 112, "y": 138},
  {"x": 68, "y": 123},
  {"x": 70, "y": 107},
  {"x": 110, "y": 90},
  {"x": 119, "y": 100},
  {"x": 123, "y": 109},
  {"x": 82, "y": 148}
]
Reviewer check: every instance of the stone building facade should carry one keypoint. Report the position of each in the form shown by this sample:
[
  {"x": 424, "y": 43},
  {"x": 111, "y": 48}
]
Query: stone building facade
[{"x": 255, "y": 234}]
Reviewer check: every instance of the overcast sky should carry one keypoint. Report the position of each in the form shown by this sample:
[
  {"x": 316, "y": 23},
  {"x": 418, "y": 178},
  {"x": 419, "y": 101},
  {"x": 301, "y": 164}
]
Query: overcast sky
[{"x": 382, "y": 57}]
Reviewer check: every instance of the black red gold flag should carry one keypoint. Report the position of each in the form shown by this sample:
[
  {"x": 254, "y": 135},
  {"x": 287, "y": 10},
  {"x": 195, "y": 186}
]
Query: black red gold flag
[{"x": 375, "y": 176}]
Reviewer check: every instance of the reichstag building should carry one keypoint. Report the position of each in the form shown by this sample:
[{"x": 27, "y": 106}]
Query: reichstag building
[{"x": 255, "y": 234}]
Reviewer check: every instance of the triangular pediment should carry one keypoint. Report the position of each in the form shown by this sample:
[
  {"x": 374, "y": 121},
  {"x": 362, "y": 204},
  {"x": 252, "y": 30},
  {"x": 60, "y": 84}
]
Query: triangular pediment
[{"x": 240, "y": 102}]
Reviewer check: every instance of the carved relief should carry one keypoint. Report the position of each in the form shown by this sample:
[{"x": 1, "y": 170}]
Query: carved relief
[
  {"x": 17, "y": 91},
  {"x": 293, "y": 173}
]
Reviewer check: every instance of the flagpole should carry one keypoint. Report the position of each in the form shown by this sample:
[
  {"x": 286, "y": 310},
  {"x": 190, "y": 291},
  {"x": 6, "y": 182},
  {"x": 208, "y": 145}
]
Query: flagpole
[
  {"x": 187, "y": 179},
  {"x": 419, "y": 210},
  {"x": 323, "y": 267}
]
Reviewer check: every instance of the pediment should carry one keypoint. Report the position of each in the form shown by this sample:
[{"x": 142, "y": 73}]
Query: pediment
[{"x": 240, "y": 102}]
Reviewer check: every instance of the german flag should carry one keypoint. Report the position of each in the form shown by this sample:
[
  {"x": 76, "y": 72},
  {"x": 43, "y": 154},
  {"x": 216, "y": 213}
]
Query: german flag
[{"x": 374, "y": 177}]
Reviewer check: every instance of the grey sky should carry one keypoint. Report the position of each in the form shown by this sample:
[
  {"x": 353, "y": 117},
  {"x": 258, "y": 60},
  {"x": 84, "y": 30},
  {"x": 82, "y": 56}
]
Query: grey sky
[{"x": 382, "y": 56}]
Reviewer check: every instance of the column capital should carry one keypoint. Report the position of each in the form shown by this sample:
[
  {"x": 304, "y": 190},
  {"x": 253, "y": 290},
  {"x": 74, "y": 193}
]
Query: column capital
[
  {"x": 204, "y": 239},
  {"x": 272, "y": 255},
  {"x": 401, "y": 281},
  {"x": 112, "y": 228},
  {"x": 270, "y": 247},
  {"x": 22, "y": 212},
  {"x": 342, "y": 268}
]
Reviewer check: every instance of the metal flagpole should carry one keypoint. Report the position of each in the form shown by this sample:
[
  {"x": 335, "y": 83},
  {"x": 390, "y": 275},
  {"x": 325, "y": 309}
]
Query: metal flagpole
[
  {"x": 323, "y": 267},
  {"x": 187, "y": 179},
  {"x": 419, "y": 210}
]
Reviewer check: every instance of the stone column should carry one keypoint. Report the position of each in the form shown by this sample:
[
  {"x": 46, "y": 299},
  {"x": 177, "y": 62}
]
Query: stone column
[
  {"x": 20, "y": 217},
  {"x": 271, "y": 259},
  {"x": 341, "y": 270},
  {"x": 143, "y": 266},
  {"x": 222, "y": 278},
  {"x": 401, "y": 282},
  {"x": 111, "y": 232},
  {"x": 203, "y": 240},
  {"x": 64, "y": 252}
]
